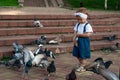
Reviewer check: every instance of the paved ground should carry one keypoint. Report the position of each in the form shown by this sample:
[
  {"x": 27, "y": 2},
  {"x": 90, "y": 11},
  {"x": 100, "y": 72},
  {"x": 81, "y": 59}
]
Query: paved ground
[{"x": 64, "y": 63}]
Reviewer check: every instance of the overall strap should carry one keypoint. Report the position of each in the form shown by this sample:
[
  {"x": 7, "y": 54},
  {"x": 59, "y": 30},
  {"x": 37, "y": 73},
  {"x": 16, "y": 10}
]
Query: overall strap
[
  {"x": 85, "y": 28},
  {"x": 77, "y": 26}
]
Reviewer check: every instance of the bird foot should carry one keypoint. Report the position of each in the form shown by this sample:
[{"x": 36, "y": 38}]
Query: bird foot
[{"x": 25, "y": 77}]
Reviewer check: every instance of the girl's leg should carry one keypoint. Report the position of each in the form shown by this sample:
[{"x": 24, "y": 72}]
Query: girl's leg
[
  {"x": 80, "y": 61},
  {"x": 83, "y": 62}
]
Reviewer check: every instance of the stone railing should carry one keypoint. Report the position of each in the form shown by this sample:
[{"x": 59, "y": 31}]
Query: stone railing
[
  {"x": 21, "y": 2},
  {"x": 60, "y": 3}
]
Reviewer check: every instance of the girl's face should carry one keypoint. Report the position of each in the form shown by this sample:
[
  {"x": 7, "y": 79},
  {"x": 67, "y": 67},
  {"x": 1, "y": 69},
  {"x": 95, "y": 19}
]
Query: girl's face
[{"x": 80, "y": 20}]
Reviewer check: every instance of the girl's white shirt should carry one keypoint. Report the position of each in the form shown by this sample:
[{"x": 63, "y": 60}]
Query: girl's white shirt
[{"x": 81, "y": 27}]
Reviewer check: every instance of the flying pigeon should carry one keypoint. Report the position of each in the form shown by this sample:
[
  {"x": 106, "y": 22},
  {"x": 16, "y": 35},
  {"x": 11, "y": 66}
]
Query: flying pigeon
[
  {"x": 39, "y": 50},
  {"x": 51, "y": 68},
  {"x": 71, "y": 75}
]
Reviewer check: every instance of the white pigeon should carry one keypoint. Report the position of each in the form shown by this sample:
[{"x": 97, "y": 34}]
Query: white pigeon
[{"x": 37, "y": 23}]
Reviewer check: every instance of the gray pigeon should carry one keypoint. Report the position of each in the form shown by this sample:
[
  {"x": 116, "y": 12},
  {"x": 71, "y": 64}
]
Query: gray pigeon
[{"x": 101, "y": 67}]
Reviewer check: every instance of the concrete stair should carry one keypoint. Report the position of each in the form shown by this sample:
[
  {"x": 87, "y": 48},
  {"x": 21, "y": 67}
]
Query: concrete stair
[
  {"x": 20, "y": 28},
  {"x": 43, "y": 3}
]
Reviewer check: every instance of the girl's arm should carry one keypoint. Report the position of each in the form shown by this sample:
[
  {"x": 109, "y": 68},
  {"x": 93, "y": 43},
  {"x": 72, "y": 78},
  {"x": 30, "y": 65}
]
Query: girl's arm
[
  {"x": 75, "y": 34},
  {"x": 87, "y": 34}
]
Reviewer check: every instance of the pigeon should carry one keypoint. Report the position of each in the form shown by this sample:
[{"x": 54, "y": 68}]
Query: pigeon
[
  {"x": 97, "y": 63},
  {"x": 27, "y": 66},
  {"x": 100, "y": 67},
  {"x": 17, "y": 47},
  {"x": 71, "y": 75},
  {"x": 51, "y": 68},
  {"x": 16, "y": 59},
  {"x": 107, "y": 64},
  {"x": 37, "y": 23},
  {"x": 57, "y": 40},
  {"x": 103, "y": 64},
  {"x": 49, "y": 53},
  {"x": 43, "y": 63},
  {"x": 112, "y": 48},
  {"x": 41, "y": 40},
  {"x": 100, "y": 62},
  {"x": 107, "y": 74},
  {"x": 98, "y": 59},
  {"x": 39, "y": 50},
  {"x": 37, "y": 59},
  {"x": 110, "y": 38}
]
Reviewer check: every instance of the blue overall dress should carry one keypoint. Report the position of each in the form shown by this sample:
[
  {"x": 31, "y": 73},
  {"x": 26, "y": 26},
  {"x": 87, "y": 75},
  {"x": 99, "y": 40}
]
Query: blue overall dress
[{"x": 82, "y": 51}]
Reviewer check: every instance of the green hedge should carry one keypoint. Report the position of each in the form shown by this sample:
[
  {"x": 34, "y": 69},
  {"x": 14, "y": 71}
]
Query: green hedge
[
  {"x": 93, "y": 4},
  {"x": 9, "y": 3}
]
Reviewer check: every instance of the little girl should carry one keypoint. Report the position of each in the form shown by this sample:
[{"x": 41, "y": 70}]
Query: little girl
[{"x": 82, "y": 32}]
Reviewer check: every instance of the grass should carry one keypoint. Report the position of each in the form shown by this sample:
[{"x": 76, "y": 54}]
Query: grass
[
  {"x": 93, "y": 4},
  {"x": 9, "y": 3},
  {"x": 5, "y": 58}
]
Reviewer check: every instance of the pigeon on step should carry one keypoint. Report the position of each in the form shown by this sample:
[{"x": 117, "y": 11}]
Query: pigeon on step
[
  {"x": 112, "y": 48},
  {"x": 51, "y": 68},
  {"x": 37, "y": 23},
  {"x": 57, "y": 40},
  {"x": 71, "y": 75},
  {"x": 110, "y": 38},
  {"x": 41, "y": 40}
]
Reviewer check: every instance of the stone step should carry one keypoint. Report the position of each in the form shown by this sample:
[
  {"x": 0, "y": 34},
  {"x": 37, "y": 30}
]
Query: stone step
[
  {"x": 55, "y": 17},
  {"x": 61, "y": 48},
  {"x": 34, "y": 3},
  {"x": 27, "y": 39},
  {"x": 52, "y": 30},
  {"x": 54, "y": 23}
]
